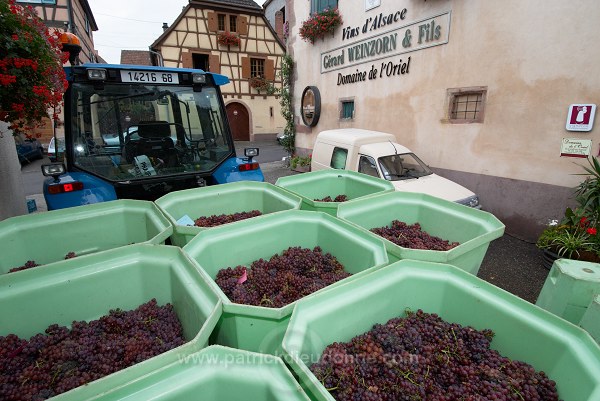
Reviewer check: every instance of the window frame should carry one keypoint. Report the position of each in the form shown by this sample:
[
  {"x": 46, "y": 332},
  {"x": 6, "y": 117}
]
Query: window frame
[
  {"x": 373, "y": 163},
  {"x": 335, "y": 157},
  {"x": 227, "y": 22},
  {"x": 254, "y": 64},
  {"x": 37, "y": 1},
  {"x": 341, "y": 113},
  {"x": 455, "y": 93},
  {"x": 317, "y": 6}
]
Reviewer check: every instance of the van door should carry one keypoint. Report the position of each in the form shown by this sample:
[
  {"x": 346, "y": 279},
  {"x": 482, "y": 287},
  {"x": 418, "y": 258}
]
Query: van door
[
  {"x": 367, "y": 165},
  {"x": 321, "y": 156}
]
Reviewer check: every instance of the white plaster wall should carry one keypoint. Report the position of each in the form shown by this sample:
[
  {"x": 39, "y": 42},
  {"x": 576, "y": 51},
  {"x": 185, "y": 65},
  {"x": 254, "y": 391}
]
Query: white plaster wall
[{"x": 535, "y": 57}]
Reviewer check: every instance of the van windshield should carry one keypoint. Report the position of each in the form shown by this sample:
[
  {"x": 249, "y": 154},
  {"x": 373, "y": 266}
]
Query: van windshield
[
  {"x": 133, "y": 131},
  {"x": 402, "y": 167}
]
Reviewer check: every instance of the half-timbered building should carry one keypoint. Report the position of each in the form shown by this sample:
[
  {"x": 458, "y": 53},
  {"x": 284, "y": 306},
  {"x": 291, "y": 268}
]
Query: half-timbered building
[
  {"x": 233, "y": 38},
  {"x": 73, "y": 16}
]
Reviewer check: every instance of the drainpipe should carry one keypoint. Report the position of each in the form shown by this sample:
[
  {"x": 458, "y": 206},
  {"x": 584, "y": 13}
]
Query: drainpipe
[
  {"x": 70, "y": 11},
  {"x": 161, "y": 62}
]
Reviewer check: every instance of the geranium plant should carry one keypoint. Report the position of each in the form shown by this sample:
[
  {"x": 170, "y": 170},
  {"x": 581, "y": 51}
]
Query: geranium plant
[
  {"x": 228, "y": 39},
  {"x": 32, "y": 79},
  {"x": 262, "y": 84},
  {"x": 577, "y": 235},
  {"x": 302, "y": 161},
  {"x": 320, "y": 24}
]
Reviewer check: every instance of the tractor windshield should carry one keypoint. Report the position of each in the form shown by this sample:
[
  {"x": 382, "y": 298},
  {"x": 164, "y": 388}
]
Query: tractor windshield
[{"x": 132, "y": 131}]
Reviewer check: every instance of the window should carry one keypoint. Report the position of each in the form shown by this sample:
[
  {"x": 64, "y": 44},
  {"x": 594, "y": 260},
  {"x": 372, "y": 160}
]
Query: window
[
  {"x": 338, "y": 158},
  {"x": 283, "y": 14},
  {"x": 466, "y": 105},
  {"x": 316, "y": 6},
  {"x": 257, "y": 67},
  {"x": 227, "y": 22},
  {"x": 200, "y": 61},
  {"x": 347, "y": 110},
  {"x": 221, "y": 22},
  {"x": 38, "y": 1},
  {"x": 366, "y": 165}
]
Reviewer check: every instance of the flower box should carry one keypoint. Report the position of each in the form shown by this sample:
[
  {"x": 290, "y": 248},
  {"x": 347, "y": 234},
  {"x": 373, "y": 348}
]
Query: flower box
[
  {"x": 228, "y": 39},
  {"x": 262, "y": 84},
  {"x": 320, "y": 24}
]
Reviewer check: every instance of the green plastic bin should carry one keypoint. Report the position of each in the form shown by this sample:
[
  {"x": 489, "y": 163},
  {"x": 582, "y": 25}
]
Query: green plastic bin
[
  {"x": 569, "y": 288},
  {"x": 86, "y": 288},
  {"x": 261, "y": 329},
  {"x": 590, "y": 321},
  {"x": 472, "y": 228},
  {"x": 523, "y": 331},
  {"x": 215, "y": 373},
  {"x": 48, "y": 237},
  {"x": 323, "y": 183},
  {"x": 242, "y": 196}
]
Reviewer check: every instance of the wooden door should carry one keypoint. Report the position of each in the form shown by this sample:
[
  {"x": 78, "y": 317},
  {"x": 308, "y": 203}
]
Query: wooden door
[{"x": 239, "y": 121}]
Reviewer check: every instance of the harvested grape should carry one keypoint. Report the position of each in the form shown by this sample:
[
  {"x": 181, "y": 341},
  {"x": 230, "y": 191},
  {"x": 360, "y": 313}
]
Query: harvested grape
[
  {"x": 61, "y": 359},
  {"x": 217, "y": 220},
  {"x": 282, "y": 279},
  {"x": 339, "y": 198},
  {"x": 31, "y": 264},
  {"x": 412, "y": 236},
  {"x": 423, "y": 357}
]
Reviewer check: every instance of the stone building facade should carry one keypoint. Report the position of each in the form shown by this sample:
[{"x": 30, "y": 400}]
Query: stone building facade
[
  {"x": 480, "y": 90},
  {"x": 232, "y": 38}
]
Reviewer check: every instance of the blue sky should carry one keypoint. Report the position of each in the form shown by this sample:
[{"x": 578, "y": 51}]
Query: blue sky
[{"x": 130, "y": 24}]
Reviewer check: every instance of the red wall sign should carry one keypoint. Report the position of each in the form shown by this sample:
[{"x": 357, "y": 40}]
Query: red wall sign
[{"x": 581, "y": 117}]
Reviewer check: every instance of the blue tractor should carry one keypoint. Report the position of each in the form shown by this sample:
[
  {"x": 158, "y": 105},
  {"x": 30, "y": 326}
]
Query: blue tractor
[{"x": 139, "y": 132}]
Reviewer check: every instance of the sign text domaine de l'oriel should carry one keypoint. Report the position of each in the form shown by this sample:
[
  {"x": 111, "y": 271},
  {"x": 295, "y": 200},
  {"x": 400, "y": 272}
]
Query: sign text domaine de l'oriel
[{"x": 432, "y": 31}]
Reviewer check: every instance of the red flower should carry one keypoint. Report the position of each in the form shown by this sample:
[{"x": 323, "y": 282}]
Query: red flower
[
  {"x": 32, "y": 79},
  {"x": 591, "y": 231},
  {"x": 583, "y": 221}
]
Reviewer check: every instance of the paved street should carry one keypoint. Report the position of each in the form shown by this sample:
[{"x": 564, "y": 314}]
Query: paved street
[{"x": 511, "y": 264}]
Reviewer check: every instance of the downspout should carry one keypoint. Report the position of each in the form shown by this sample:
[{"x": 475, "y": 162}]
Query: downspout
[{"x": 70, "y": 11}]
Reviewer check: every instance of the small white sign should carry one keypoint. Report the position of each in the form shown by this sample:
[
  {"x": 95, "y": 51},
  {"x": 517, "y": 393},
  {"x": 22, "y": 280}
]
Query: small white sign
[
  {"x": 185, "y": 220},
  {"x": 581, "y": 117},
  {"x": 143, "y": 166},
  {"x": 370, "y": 4},
  {"x": 573, "y": 147}
]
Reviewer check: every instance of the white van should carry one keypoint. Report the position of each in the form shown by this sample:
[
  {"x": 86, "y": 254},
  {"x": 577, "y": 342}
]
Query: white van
[{"x": 377, "y": 154}]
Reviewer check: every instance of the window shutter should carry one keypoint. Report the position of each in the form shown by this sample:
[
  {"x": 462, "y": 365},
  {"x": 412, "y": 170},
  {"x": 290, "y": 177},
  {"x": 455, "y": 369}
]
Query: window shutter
[
  {"x": 242, "y": 25},
  {"x": 246, "y": 67},
  {"x": 269, "y": 70},
  {"x": 214, "y": 64},
  {"x": 186, "y": 59},
  {"x": 212, "y": 21}
]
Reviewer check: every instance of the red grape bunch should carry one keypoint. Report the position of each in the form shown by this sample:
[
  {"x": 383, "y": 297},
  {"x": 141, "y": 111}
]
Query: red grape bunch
[
  {"x": 412, "y": 236},
  {"x": 339, "y": 198},
  {"x": 61, "y": 359},
  {"x": 422, "y": 357},
  {"x": 31, "y": 264},
  {"x": 217, "y": 220},
  {"x": 282, "y": 279}
]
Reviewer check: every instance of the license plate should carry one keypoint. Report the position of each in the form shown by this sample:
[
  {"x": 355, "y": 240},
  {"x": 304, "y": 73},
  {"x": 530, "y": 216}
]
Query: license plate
[{"x": 147, "y": 77}]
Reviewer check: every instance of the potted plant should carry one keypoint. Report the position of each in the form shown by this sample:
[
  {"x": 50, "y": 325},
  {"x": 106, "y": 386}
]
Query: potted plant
[
  {"x": 32, "y": 79},
  {"x": 262, "y": 84},
  {"x": 301, "y": 163},
  {"x": 228, "y": 39},
  {"x": 320, "y": 24},
  {"x": 577, "y": 235}
]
